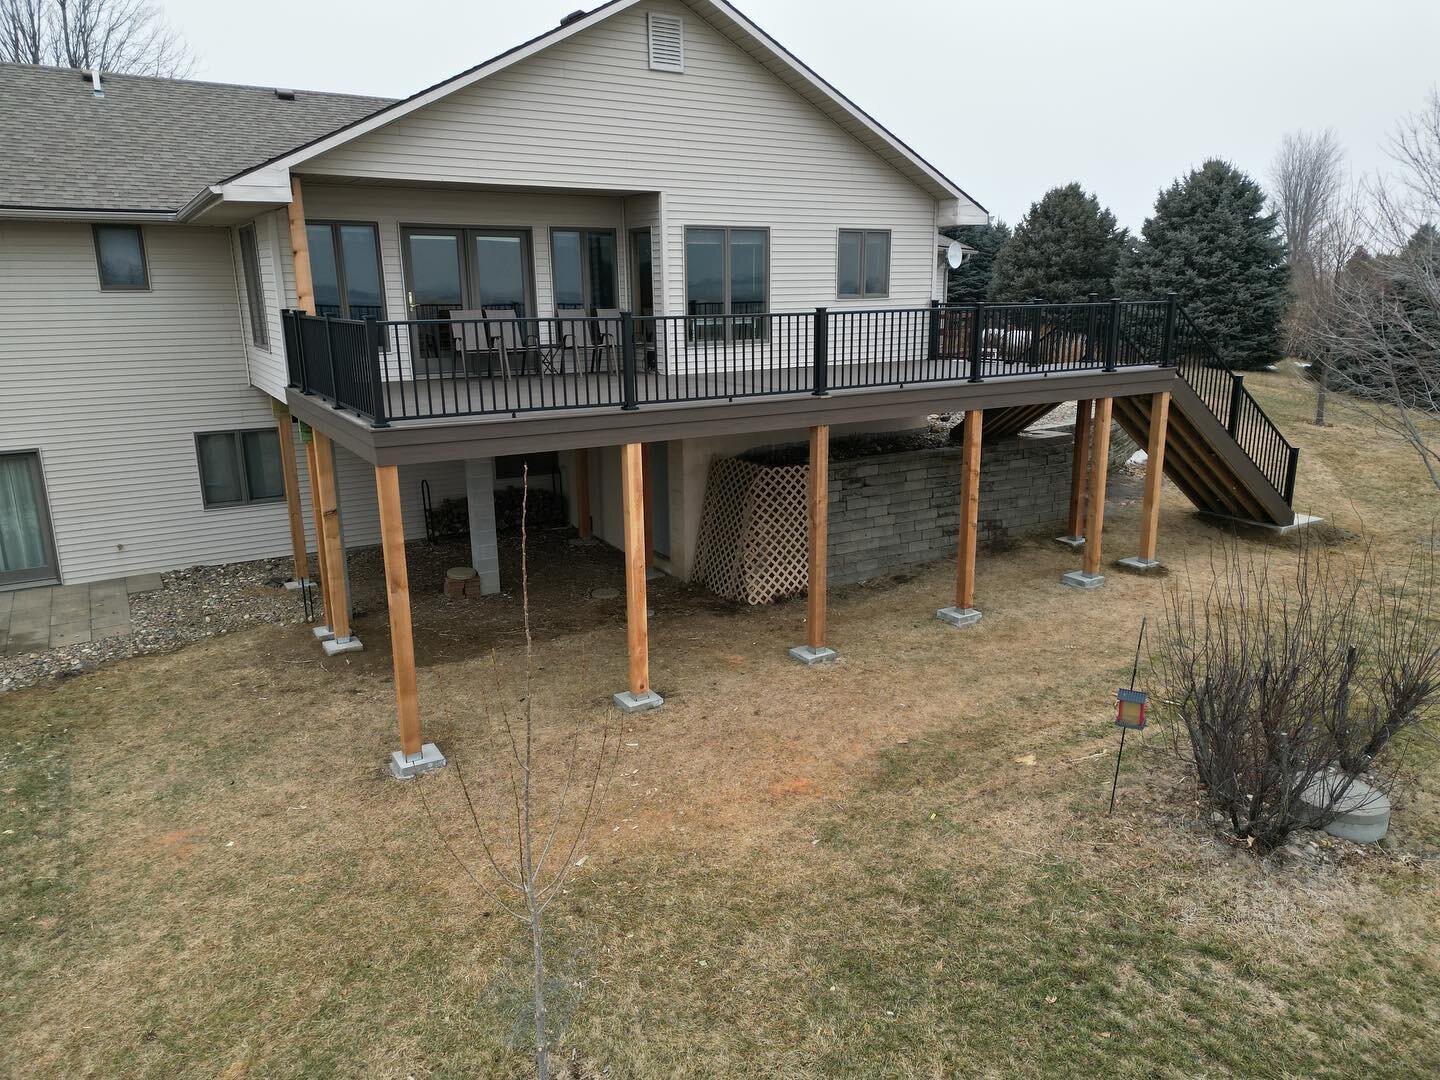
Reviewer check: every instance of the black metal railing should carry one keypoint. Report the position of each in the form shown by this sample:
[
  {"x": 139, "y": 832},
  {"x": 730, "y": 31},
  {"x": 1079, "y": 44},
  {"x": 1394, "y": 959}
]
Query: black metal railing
[{"x": 438, "y": 366}]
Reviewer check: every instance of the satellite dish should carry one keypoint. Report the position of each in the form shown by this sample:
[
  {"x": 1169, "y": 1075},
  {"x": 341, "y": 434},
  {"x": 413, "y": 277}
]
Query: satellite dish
[{"x": 954, "y": 254}]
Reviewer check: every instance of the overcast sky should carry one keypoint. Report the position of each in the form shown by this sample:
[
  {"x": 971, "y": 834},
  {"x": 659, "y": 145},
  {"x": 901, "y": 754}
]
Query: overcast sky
[{"x": 1007, "y": 98}]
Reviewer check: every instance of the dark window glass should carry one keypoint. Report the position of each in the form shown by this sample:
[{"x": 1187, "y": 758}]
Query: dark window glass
[
  {"x": 500, "y": 270},
  {"x": 600, "y": 247},
  {"x": 705, "y": 271},
  {"x": 863, "y": 268},
  {"x": 254, "y": 287},
  {"x": 120, "y": 253},
  {"x": 877, "y": 264},
  {"x": 569, "y": 277},
  {"x": 238, "y": 467},
  {"x": 852, "y": 256},
  {"x": 324, "y": 270},
  {"x": 345, "y": 270},
  {"x": 360, "y": 252}
]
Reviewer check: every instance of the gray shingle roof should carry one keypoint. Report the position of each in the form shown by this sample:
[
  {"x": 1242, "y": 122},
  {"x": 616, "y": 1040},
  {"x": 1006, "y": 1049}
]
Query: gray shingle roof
[{"x": 148, "y": 144}]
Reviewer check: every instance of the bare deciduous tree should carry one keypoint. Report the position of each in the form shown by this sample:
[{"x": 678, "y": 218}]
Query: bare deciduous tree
[
  {"x": 1380, "y": 324},
  {"x": 126, "y": 36},
  {"x": 1309, "y": 181},
  {"x": 527, "y": 822}
]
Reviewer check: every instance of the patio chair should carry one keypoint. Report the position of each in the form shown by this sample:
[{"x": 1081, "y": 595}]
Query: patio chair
[
  {"x": 470, "y": 336},
  {"x": 572, "y": 336},
  {"x": 508, "y": 335},
  {"x": 606, "y": 338}
]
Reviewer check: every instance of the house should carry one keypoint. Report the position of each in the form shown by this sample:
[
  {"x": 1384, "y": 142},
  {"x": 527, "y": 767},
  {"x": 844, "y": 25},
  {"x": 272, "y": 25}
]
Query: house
[{"x": 646, "y": 238}]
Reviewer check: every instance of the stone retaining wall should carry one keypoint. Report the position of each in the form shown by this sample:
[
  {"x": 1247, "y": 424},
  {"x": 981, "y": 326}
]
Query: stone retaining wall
[{"x": 894, "y": 510}]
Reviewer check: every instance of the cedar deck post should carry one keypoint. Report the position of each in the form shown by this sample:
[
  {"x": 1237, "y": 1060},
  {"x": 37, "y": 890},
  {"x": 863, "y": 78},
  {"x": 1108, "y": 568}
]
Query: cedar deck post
[
  {"x": 1079, "y": 467},
  {"x": 639, "y": 696},
  {"x": 337, "y": 609},
  {"x": 582, "y": 492},
  {"x": 1154, "y": 475},
  {"x": 964, "y": 612},
  {"x": 413, "y": 757},
  {"x": 300, "y": 249},
  {"x": 815, "y": 651},
  {"x": 645, "y": 495},
  {"x": 290, "y": 465},
  {"x": 1089, "y": 577}
]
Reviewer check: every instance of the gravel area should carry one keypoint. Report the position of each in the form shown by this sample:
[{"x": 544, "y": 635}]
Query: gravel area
[{"x": 194, "y": 603}]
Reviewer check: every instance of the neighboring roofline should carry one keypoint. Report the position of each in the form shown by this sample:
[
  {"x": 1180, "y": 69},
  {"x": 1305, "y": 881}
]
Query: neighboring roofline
[{"x": 394, "y": 111}]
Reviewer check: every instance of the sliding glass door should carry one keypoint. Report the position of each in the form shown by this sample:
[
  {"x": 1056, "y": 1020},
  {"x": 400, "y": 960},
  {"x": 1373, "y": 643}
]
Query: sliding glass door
[{"x": 27, "y": 548}]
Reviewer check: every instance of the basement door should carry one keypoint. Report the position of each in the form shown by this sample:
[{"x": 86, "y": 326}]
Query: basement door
[{"x": 27, "y": 547}]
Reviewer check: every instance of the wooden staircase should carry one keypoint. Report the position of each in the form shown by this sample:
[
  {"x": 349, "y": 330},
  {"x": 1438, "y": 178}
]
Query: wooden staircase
[{"x": 1221, "y": 449}]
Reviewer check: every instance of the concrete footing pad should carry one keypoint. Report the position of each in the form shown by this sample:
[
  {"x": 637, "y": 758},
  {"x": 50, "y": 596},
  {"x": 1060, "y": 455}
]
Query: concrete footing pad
[
  {"x": 1072, "y": 542},
  {"x": 335, "y": 646},
  {"x": 1362, "y": 814},
  {"x": 958, "y": 616},
  {"x": 407, "y": 768},
  {"x": 810, "y": 657},
  {"x": 294, "y": 585},
  {"x": 625, "y": 701},
  {"x": 1079, "y": 579},
  {"x": 1302, "y": 521},
  {"x": 1139, "y": 565},
  {"x": 322, "y": 633}
]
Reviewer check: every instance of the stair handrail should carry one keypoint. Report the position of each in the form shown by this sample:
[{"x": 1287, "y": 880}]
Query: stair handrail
[{"x": 1245, "y": 419}]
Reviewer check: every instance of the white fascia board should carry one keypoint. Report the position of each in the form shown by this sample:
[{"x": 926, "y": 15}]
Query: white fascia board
[{"x": 961, "y": 212}]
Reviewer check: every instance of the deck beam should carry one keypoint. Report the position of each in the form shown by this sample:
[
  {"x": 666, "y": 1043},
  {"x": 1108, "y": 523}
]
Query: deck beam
[
  {"x": 964, "y": 612},
  {"x": 817, "y": 504},
  {"x": 638, "y": 697}
]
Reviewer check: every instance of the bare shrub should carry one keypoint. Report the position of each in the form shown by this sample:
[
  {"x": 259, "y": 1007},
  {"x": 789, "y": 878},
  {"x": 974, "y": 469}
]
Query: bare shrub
[
  {"x": 1282, "y": 676},
  {"x": 516, "y": 829}
]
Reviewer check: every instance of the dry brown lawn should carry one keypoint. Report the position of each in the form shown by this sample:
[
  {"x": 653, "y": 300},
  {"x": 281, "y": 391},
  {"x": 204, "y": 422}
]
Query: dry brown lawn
[{"x": 898, "y": 865}]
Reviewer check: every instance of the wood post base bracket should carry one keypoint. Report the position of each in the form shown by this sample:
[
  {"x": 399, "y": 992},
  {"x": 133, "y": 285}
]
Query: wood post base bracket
[{"x": 407, "y": 767}]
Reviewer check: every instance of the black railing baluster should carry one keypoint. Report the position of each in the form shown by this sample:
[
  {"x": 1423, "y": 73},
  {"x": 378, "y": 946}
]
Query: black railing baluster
[
  {"x": 977, "y": 336},
  {"x": 820, "y": 361},
  {"x": 627, "y": 360}
]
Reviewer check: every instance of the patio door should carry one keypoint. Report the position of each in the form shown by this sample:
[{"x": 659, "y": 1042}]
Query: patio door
[
  {"x": 27, "y": 547},
  {"x": 449, "y": 270},
  {"x": 583, "y": 263}
]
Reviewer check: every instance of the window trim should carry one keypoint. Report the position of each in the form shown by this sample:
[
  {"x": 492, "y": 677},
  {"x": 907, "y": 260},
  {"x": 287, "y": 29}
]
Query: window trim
[
  {"x": 685, "y": 273},
  {"x": 334, "y": 225},
  {"x": 865, "y": 234},
  {"x": 144, "y": 256},
  {"x": 236, "y": 439},
  {"x": 469, "y": 278},
  {"x": 586, "y": 285},
  {"x": 254, "y": 287}
]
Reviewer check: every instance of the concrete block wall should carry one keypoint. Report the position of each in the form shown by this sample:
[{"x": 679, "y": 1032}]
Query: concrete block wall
[{"x": 894, "y": 510}]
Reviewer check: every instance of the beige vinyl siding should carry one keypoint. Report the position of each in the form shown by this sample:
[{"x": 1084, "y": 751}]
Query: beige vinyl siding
[
  {"x": 111, "y": 388},
  {"x": 267, "y": 365},
  {"x": 726, "y": 142}
]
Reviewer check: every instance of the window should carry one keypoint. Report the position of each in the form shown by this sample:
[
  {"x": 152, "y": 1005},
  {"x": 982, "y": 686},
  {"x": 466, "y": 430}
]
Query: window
[
  {"x": 583, "y": 263},
  {"x": 239, "y": 467},
  {"x": 345, "y": 269},
  {"x": 863, "y": 265},
  {"x": 120, "y": 255},
  {"x": 727, "y": 272},
  {"x": 254, "y": 287},
  {"x": 667, "y": 42}
]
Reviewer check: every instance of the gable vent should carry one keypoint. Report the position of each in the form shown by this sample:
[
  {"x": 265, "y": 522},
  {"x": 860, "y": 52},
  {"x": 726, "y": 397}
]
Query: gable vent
[{"x": 667, "y": 43}]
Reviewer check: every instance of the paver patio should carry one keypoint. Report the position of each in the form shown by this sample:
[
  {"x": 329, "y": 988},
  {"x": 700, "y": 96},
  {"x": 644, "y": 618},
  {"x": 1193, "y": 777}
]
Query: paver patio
[{"x": 33, "y": 620}]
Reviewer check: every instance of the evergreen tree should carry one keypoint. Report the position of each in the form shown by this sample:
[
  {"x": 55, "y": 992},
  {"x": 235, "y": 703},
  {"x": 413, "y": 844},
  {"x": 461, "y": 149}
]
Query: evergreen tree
[
  {"x": 972, "y": 281},
  {"x": 1065, "y": 247},
  {"x": 1211, "y": 241}
]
